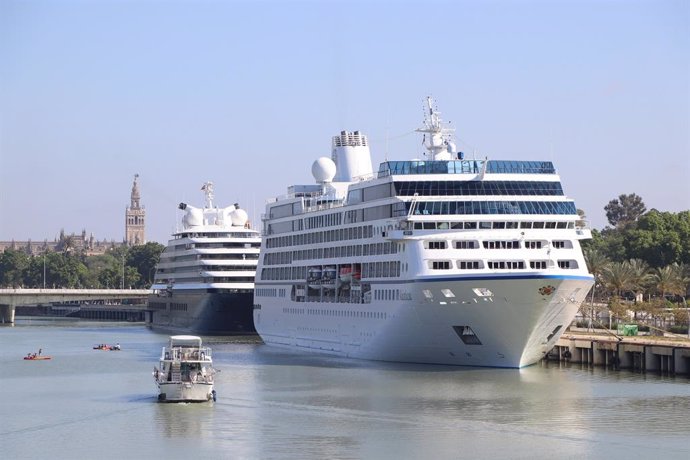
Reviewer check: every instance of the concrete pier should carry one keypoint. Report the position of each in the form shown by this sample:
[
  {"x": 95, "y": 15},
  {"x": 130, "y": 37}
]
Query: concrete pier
[
  {"x": 641, "y": 353},
  {"x": 6, "y": 314}
]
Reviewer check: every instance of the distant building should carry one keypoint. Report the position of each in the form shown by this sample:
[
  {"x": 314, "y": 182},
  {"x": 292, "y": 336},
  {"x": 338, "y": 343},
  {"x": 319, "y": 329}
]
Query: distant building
[
  {"x": 134, "y": 235},
  {"x": 64, "y": 243},
  {"x": 134, "y": 218}
]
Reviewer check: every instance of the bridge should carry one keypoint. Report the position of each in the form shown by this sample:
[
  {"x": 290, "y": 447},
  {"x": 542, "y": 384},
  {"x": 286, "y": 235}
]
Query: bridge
[{"x": 10, "y": 298}]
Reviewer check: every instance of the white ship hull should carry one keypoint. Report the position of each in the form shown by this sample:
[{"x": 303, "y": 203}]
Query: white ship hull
[
  {"x": 437, "y": 260},
  {"x": 515, "y": 325},
  {"x": 185, "y": 392}
]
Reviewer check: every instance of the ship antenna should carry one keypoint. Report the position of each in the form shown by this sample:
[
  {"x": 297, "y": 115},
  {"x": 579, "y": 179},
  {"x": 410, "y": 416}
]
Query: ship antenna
[
  {"x": 439, "y": 135},
  {"x": 207, "y": 188}
]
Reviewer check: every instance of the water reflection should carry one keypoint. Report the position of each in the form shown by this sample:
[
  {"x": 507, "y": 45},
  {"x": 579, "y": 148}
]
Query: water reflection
[{"x": 275, "y": 404}]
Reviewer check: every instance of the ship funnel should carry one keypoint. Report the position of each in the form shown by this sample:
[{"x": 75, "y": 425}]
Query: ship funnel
[{"x": 351, "y": 156}]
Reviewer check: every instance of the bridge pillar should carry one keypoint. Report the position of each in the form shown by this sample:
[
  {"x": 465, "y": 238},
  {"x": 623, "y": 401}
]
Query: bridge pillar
[{"x": 7, "y": 314}]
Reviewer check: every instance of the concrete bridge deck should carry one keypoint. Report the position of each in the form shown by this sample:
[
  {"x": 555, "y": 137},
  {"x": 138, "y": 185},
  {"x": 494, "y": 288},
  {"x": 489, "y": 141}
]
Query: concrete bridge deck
[{"x": 10, "y": 298}]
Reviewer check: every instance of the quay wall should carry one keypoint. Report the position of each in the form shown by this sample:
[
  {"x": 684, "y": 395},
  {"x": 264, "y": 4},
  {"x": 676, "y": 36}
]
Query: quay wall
[{"x": 640, "y": 354}]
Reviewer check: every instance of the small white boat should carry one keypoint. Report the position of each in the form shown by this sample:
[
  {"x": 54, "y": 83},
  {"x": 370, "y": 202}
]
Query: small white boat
[{"x": 186, "y": 371}]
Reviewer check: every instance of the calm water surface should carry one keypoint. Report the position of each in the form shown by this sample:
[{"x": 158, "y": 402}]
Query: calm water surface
[{"x": 88, "y": 404}]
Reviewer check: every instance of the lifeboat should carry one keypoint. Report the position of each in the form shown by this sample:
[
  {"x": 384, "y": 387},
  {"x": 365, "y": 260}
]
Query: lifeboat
[
  {"x": 314, "y": 277},
  {"x": 329, "y": 277},
  {"x": 346, "y": 274}
]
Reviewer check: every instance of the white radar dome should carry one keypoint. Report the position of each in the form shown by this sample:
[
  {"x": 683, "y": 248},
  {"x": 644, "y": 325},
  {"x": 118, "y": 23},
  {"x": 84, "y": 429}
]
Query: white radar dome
[
  {"x": 323, "y": 170},
  {"x": 193, "y": 217},
  {"x": 239, "y": 217}
]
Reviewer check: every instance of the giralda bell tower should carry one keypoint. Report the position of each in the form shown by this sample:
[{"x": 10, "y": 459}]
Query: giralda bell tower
[{"x": 134, "y": 218}]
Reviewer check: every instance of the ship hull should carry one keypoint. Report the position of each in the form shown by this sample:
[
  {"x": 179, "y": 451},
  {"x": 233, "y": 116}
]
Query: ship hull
[
  {"x": 173, "y": 392},
  {"x": 513, "y": 327},
  {"x": 203, "y": 313}
]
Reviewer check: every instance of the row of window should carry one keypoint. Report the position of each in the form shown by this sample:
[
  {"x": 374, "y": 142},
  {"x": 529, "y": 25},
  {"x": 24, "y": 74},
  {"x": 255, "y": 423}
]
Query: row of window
[
  {"x": 177, "y": 306},
  {"x": 218, "y": 235},
  {"x": 336, "y": 313},
  {"x": 498, "y": 264},
  {"x": 333, "y": 252},
  {"x": 357, "y": 215},
  {"x": 206, "y": 279},
  {"x": 385, "y": 269},
  {"x": 388, "y": 168},
  {"x": 269, "y": 292},
  {"x": 157, "y": 305},
  {"x": 499, "y": 244},
  {"x": 477, "y": 188},
  {"x": 168, "y": 257},
  {"x": 216, "y": 245},
  {"x": 491, "y": 207},
  {"x": 489, "y": 225},
  {"x": 215, "y": 268},
  {"x": 327, "y": 236}
]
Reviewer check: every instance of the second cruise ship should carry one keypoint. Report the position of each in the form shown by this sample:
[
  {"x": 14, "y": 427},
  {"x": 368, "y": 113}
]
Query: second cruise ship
[{"x": 204, "y": 282}]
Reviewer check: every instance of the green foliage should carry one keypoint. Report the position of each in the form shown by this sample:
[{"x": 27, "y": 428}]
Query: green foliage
[
  {"x": 71, "y": 269},
  {"x": 660, "y": 238},
  {"x": 657, "y": 238},
  {"x": 144, "y": 259},
  {"x": 624, "y": 210},
  {"x": 13, "y": 264}
]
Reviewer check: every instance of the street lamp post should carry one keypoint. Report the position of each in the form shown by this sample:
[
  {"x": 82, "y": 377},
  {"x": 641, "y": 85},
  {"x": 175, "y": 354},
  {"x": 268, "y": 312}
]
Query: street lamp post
[
  {"x": 123, "y": 272},
  {"x": 44, "y": 269}
]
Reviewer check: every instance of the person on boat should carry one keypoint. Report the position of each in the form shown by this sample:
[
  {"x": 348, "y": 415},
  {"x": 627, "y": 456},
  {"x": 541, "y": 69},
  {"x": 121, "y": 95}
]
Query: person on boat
[{"x": 39, "y": 351}]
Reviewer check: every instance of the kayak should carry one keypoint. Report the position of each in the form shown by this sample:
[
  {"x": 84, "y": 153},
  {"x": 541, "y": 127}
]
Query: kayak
[{"x": 37, "y": 358}]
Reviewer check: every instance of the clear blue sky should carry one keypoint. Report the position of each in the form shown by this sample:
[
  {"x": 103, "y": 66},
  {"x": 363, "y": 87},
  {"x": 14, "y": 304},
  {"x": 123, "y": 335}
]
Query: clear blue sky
[{"x": 248, "y": 94}]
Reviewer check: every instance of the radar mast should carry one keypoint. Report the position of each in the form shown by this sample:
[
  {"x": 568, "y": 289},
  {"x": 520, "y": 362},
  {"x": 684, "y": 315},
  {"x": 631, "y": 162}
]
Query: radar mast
[
  {"x": 207, "y": 188},
  {"x": 439, "y": 145}
]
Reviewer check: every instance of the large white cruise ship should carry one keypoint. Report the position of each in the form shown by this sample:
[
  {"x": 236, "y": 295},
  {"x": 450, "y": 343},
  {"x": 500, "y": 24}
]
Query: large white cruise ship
[
  {"x": 444, "y": 260},
  {"x": 204, "y": 281}
]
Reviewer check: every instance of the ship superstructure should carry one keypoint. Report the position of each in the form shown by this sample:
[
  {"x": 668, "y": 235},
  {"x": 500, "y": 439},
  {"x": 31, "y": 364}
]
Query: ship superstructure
[
  {"x": 204, "y": 281},
  {"x": 443, "y": 260}
]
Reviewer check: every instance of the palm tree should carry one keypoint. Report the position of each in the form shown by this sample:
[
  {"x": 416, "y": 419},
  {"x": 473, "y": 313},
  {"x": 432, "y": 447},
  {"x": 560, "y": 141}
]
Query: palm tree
[
  {"x": 618, "y": 278},
  {"x": 640, "y": 276},
  {"x": 668, "y": 280},
  {"x": 596, "y": 263}
]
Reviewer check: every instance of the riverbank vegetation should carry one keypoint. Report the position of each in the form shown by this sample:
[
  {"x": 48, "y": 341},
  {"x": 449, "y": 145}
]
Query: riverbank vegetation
[
  {"x": 121, "y": 267},
  {"x": 641, "y": 265}
]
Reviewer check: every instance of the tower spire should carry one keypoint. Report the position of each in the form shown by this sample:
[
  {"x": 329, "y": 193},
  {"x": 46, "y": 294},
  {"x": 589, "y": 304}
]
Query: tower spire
[{"x": 134, "y": 217}]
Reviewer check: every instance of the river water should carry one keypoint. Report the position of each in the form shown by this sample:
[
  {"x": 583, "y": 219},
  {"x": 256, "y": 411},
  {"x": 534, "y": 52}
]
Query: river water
[{"x": 272, "y": 404}]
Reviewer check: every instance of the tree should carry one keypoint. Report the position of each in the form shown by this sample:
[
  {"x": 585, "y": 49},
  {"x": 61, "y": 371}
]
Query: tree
[
  {"x": 617, "y": 278},
  {"x": 660, "y": 238},
  {"x": 669, "y": 280},
  {"x": 640, "y": 277},
  {"x": 624, "y": 210},
  {"x": 13, "y": 264},
  {"x": 144, "y": 259},
  {"x": 596, "y": 263}
]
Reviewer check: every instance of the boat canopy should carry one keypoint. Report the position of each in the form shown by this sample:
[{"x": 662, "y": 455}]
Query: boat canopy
[{"x": 185, "y": 340}]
